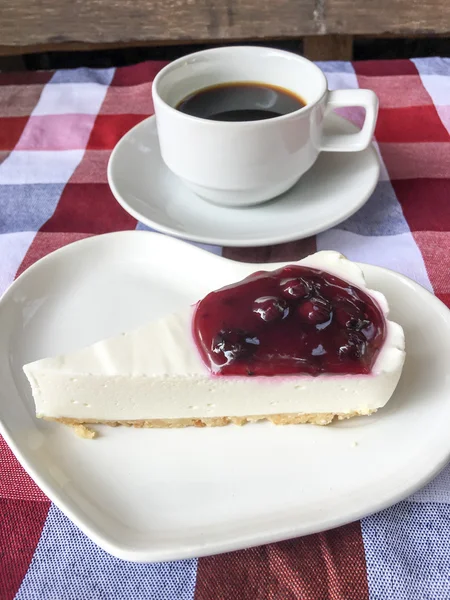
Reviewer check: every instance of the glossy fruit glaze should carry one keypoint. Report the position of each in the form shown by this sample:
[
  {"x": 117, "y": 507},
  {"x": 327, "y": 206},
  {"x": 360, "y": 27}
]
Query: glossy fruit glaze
[{"x": 295, "y": 320}]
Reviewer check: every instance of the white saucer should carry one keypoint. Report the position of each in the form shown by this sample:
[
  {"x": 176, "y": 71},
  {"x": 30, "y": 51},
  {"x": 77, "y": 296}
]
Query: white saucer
[
  {"x": 150, "y": 495},
  {"x": 335, "y": 188}
]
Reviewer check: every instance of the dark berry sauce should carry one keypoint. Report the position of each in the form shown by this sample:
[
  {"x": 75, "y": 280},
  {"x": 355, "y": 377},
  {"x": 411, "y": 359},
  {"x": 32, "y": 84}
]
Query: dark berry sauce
[{"x": 295, "y": 320}]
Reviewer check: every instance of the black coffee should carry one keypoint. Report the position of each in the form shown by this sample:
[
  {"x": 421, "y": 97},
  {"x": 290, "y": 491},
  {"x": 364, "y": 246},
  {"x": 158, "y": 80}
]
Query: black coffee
[{"x": 240, "y": 101}]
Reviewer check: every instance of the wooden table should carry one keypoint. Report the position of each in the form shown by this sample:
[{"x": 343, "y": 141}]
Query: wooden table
[{"x": 327, "y": 27}]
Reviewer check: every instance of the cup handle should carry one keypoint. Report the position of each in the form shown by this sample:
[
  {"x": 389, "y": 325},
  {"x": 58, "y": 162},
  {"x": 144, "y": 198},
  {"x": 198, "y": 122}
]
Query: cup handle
[{"x": 356, "y": 141}]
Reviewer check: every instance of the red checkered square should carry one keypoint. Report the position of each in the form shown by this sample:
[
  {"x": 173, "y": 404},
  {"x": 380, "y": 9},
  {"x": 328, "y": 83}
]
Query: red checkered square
[
  {"x": 412, "y": 124},
  {"x": 425, "y": 203},
  {"x": 88, "y": 208},
  {"x": 11, "y": 128},
  {"x": 385, "y": 68},
  {"x": 137, "y": 74},
  {"x": 108, "y": 129}
]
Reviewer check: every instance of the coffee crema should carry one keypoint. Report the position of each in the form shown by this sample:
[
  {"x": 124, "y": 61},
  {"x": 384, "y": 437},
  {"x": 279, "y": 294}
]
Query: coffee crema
[{"x": 240, "y": 101}]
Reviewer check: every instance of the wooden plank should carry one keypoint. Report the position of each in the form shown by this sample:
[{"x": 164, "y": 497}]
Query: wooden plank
[
  {"x": 54, "y": 22},
  {"x": 328, "y": 47},
  {"x": 30, "y": 22},
  {"x": 374, "y": 17}
]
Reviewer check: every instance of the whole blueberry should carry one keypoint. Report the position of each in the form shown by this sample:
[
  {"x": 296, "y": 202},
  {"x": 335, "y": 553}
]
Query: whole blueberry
[
  {"x": 295, "y": 288},
  {"x": 357, "y": 324},
  {"x": 343, "y": 312},
  {"x": 271, "y": 308},
  {"x": 355, "y": 348},
  {"x": 234, "y": 344},
  {"x": 315, "y": 311}
]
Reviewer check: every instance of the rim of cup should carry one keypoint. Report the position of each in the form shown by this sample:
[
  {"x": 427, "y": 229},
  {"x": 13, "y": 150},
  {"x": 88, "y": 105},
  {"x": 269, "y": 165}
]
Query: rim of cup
[{"x": 230, "y": 49}]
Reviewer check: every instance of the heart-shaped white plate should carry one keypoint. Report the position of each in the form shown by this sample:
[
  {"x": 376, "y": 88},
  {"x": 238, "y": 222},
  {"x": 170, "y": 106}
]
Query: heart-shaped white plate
[{"x": 150, "y": 495}]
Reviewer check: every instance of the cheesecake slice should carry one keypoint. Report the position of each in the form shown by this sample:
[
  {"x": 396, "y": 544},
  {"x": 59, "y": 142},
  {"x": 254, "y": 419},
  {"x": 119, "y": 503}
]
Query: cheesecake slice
[{"x": 307, "y": 343}]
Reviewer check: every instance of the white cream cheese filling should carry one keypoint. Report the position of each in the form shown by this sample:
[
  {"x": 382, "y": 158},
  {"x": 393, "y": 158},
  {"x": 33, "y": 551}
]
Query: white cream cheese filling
[{"x": 155, "y": 372}]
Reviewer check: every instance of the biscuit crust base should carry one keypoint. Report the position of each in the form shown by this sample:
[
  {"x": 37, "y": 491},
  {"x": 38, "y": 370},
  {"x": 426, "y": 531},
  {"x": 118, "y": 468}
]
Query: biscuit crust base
[{"x": 277, "y": 419}]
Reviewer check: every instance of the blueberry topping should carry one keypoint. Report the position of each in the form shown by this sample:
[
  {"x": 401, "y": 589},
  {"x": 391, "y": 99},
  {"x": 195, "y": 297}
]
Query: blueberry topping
[{"x": 295, "y": 320}]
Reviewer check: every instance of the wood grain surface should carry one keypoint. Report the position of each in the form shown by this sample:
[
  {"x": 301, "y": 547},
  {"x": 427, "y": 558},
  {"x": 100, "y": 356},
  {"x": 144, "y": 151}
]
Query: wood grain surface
[
  {"x": 328, "y": 47},
  {"x": 387, "y": 16},
  {"x": 40, "y": 21},
  {"x": 35, "y": 22}
]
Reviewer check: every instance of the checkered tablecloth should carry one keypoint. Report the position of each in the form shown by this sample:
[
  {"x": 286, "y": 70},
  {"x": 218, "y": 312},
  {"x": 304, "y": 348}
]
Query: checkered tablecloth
[{"x": 57, "y": 130}]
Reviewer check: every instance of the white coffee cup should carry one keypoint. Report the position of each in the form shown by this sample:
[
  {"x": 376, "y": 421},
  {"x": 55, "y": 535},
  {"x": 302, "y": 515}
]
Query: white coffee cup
[{"x": 245, "y": 163}]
